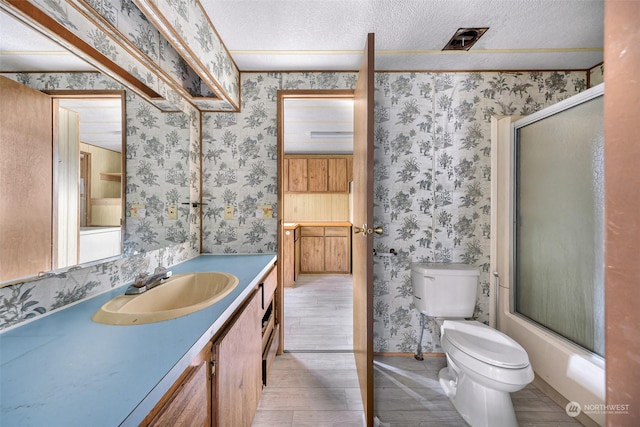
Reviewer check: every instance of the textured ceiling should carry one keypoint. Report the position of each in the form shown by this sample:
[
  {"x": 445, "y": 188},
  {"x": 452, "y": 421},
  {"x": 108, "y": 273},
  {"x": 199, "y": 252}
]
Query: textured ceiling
[{"x": 329, "y": 34}]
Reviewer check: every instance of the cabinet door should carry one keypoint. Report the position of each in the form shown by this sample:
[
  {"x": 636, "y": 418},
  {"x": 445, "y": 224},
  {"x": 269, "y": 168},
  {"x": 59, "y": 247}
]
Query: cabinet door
[
  {"x": 25, "y": 181},
  {"x": 337, "y": 254},
  {"x": 317, "y": 170},
  {"x": 296, "y": 258},
  {"x": 288, "y": 263},
  {"x": 238, "y": 368},
  {"x": 188, "y": 403},
  {"x": 297, "y": 173},
  {"x": 338, "y": 181},
  {"x": 311, "y": 254}
]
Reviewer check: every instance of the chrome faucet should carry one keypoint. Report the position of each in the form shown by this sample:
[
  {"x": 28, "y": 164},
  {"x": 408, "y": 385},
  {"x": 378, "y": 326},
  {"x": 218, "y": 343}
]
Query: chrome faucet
[{"x": 144, "y": 281}]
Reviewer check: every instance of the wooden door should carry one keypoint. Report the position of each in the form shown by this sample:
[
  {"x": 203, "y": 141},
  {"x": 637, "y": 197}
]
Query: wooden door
[
  {"x": 25, "y": 181},
  {"x": 363, "y": 218}
]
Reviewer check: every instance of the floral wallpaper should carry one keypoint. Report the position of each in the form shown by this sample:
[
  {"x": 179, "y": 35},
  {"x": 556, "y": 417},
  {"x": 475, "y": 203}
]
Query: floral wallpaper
[
  {"x": 596, "y": 75},
  {"x": 107, "y": 25},
  {"x": 162, "y": 168},
  {"x": 239, "y": 152},
  {"x": 197, "y": 40},
  {"x": 432, "y": 181},
  {"x": 431, "y": 174}
]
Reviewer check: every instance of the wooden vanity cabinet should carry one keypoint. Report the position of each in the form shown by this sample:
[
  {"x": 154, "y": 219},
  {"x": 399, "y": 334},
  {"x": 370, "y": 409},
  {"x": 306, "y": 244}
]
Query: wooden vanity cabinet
[
  {"x": 188, "y": 402},
  {"x": 237, "y": 369},
  {"x": 222, "y": 385},
  {"x": 270, "y": 322}
]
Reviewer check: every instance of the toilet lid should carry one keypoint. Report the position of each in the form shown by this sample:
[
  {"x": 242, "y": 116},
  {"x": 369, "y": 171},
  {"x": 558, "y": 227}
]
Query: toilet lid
[{"x": 489, "y": 346}]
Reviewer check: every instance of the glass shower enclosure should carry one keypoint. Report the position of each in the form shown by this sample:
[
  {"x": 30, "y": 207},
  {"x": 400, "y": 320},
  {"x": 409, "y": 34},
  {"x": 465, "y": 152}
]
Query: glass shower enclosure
[{"x": 558, "y": 215}]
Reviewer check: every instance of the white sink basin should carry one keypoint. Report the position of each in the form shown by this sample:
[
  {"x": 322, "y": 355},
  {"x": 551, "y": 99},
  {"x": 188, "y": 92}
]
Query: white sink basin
[{"x": 182, "y": 294}]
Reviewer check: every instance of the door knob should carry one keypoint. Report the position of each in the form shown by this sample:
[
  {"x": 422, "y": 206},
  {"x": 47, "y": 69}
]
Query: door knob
[{"x": 367, "y": 231}]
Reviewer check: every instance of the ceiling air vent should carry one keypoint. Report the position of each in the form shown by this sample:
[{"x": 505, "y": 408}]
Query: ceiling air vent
[{"x": 464, "y": 38}]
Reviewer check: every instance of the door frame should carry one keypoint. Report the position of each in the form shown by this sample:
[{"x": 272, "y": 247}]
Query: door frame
[{"x": 282, "y": 95}]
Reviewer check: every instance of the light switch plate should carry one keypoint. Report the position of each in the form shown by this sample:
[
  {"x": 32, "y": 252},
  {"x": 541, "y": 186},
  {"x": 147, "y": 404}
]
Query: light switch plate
[{"x": 228, "y": 212}]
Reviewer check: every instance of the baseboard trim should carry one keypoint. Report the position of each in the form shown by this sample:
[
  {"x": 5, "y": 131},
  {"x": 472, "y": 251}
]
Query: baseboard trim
[{"x": 405, "y": 354}]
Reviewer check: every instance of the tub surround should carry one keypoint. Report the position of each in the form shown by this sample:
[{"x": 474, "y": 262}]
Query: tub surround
[{"x": 69, "y": 370}]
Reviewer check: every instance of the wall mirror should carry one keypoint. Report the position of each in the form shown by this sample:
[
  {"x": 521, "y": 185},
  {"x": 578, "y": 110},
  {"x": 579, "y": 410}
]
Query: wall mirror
[
  {"x": 43, "y": 226},
  {"x": 89, "y": 193}
]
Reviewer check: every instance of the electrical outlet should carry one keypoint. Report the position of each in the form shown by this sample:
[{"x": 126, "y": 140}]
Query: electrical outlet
[
  {"x": 264, "y": 211},
  {"x": 137, "y": 211},
  {"x": 228, "y": 212},
  {"x": 172, "y": 212}
]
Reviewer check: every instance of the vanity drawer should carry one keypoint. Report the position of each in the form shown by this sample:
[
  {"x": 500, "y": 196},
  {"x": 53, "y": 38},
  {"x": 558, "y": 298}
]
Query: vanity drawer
[
  {"x": 267, "y": 330},
  {"x": 269, "y": 354},
  {"x": 269, "y": 285}
]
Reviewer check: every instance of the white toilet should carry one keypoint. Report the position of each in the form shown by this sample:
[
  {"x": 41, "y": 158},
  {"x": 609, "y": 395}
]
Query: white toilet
[{"x": 483, "y": 364}]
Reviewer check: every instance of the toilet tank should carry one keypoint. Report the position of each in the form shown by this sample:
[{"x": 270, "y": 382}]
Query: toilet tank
[{"x": 445, "y": 290}]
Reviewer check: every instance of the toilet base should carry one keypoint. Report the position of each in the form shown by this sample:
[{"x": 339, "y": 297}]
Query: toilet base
[{"x": 479, "y": 406}]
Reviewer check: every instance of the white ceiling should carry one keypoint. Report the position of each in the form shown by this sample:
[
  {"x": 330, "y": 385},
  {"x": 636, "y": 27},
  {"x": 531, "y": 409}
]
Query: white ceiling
[
  {"x": 100, "y": 121},
  {"x": 330, "y": 34}
]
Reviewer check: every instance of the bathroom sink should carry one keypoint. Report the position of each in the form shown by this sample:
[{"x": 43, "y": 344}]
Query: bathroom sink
[{"x": 180, "y": 295}]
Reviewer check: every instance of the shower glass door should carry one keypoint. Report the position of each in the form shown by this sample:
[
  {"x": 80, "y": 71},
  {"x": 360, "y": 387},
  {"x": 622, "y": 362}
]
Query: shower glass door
[{"x": 559, "y": 231}]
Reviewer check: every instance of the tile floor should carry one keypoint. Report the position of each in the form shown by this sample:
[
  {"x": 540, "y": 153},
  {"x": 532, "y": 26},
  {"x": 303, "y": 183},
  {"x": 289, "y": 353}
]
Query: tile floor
[{"x": 315, "y": 384}]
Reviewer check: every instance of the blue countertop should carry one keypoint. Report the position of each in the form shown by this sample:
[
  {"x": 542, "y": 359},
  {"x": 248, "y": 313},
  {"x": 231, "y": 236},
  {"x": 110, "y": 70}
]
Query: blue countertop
[{"x": 66, "y": 370}]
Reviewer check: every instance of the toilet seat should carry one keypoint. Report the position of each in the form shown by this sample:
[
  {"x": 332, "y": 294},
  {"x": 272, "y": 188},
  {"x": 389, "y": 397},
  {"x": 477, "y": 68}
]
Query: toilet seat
[{"x": 485, "y": 344}]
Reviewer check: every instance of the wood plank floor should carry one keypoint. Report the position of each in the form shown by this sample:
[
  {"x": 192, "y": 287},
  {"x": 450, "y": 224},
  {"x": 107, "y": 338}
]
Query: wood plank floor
[{"x": 315, "y": 384}]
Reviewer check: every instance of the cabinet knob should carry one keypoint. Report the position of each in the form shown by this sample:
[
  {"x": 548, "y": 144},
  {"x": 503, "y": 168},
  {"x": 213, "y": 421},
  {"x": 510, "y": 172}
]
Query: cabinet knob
[{"x": 357, "y": 230}]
